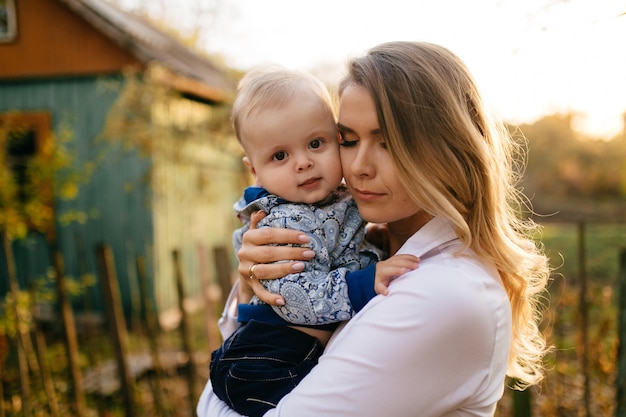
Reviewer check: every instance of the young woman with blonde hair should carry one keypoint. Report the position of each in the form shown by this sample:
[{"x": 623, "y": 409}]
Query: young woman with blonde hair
[{"x": 420, "y": 154}]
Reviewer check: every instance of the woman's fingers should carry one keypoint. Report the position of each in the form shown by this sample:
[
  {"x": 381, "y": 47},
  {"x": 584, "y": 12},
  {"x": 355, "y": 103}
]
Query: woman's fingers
[
  {"x": 272, "y": 235},
  {"x": 244, "y": 290},
  {"x": 261, "y": 258},
  {"x": 266, "y": 296},
  {"x": 249, "y": 287},
  {"x": 258, "y": 248},
  {"x": 271, "y": 271},
  {"x": 265, "y": 256}
]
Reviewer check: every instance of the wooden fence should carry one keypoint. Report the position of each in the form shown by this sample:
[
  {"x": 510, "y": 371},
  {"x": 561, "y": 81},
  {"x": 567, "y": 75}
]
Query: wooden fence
[
  {"x": 100, "y": 385},
  {"x": 155, "y": 365}
]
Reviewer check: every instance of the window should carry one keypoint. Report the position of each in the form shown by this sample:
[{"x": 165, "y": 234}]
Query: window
[
  {"x": 21, "y": 147},
  {"x": 25, "y": 142},
  {"x": 8, "y": 21}
]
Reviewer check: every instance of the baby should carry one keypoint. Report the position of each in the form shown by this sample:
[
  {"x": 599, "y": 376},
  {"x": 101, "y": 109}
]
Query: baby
[{"x": 286, "y": 125}]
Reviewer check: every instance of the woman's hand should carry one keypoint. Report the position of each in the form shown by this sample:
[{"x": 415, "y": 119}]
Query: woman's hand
[{"x": 257, "y": 257}]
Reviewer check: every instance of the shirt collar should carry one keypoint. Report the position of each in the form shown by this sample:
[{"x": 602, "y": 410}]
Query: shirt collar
[{"x": 436, "y": 233}]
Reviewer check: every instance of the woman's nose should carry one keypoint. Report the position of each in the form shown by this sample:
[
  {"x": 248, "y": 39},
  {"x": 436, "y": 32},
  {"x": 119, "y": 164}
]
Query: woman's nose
[{"x": 362, "y": 163}]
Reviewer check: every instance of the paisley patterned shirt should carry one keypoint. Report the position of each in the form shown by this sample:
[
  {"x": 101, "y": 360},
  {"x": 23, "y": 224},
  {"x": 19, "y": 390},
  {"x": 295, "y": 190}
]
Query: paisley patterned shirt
[{"x": 319, "y": 294}]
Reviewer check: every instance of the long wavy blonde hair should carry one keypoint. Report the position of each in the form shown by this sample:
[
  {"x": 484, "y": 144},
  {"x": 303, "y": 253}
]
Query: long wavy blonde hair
[{"x": 455, "y": 161}]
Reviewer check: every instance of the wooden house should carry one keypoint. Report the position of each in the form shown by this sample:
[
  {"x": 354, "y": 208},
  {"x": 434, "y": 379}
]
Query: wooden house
[{"x": 144, "y": 118}]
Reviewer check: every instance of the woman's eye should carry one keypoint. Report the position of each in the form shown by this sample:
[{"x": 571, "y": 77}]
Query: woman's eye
[
  {"x": 383, "y": 145},
  {"x": 279, "y": 156},
  {"x": 345, "y": 142},
  {"x": 315, "y": 144}
]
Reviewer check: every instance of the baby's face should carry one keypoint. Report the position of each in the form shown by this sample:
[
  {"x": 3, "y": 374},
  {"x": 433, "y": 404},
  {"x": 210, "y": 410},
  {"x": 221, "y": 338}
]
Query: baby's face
[{"x": 293, "y": 150}]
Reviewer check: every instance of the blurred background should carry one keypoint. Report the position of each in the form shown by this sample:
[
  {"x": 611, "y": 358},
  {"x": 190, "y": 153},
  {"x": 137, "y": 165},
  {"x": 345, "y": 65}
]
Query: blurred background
[
  {"x": 531, "y": 58},
  {"x": 119, "y": 169}
]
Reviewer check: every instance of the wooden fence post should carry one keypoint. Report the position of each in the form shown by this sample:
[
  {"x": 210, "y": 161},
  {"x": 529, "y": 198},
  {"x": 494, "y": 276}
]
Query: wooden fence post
[
  {"x": 42, "y": 353},
  {"x": 90, "y": 330},
  {"x": 210, "y": 315},
  {"x": 3, "y": 344},
  {"x": 222, "y": 264},
  {"x": 559, "y": 334},
  {"x": 184, "y": 328},
  {"x": 620, "y": 409},
  {"x": 522, "y": 403},
  {"x": 583, "y": 314},
  {"x": 71, "y": 340},
  {"x": 22, "y": 345},
  {"x": 152, "y": 327},
  {"x": 116, "y": 323}
]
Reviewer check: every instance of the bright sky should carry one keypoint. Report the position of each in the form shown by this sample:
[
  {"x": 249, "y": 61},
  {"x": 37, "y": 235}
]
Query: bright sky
[{"x": 530, "y": 58}]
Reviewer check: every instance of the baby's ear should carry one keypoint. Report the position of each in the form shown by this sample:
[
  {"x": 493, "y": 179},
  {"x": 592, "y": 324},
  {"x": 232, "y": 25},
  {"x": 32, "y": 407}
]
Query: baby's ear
[{"x": 248, "y": 163}]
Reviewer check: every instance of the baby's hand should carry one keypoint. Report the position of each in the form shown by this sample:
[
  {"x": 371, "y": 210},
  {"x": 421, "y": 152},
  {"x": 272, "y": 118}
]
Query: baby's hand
[{"x": 392, "y": 268}]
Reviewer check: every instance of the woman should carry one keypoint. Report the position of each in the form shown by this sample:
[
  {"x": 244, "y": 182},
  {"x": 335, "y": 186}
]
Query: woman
[{"x": 420, "y": 155}]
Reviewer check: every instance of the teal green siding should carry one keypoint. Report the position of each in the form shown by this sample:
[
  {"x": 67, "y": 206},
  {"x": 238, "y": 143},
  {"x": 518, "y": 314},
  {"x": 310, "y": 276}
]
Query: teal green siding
[
  {"x": 138, "y": 206},
  {"x": 116, "y": 216}
]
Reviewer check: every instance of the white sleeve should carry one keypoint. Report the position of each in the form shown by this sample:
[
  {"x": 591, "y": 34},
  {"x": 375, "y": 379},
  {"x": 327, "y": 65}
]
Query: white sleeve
[
  {"x": 432, "y": 346},
  {"x": 227, "y": 323},
  {"x": 211, "y": 406},
  {"x": 208, "y": 404}
]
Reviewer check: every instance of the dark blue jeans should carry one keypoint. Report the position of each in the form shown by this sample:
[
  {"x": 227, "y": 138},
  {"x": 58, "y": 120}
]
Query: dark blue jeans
[{"x": 259, "y": 364}]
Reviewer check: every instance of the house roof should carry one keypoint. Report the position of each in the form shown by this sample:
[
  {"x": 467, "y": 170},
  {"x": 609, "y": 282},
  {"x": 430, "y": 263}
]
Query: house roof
[{"x": 177, "y": 65}]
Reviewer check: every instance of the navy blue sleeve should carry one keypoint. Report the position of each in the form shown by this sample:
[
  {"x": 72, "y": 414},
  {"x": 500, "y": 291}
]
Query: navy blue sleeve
[{"x": 361, "y": 286}]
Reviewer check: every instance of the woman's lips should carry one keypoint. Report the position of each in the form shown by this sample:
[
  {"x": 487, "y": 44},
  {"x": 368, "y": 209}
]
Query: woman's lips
[{"x": 366, "y": 195}]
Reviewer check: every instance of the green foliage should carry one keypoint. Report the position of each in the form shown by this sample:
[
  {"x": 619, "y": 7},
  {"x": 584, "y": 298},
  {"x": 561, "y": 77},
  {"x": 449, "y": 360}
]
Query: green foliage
[
  {"x": 77, "y": 216},
  {"x": 156, "y": 120},
  {"x": 564, "y": 163},
  {"x": 561, "y": 393},
  {"x": 14, "y": 307},
  {"x": 602, "y": 245},
  {"x": 28, "y": 186},
  {"x": 34, "y": 171}
]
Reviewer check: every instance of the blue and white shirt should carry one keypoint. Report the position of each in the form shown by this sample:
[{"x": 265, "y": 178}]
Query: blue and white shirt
[{"x": 320, "y": 294}]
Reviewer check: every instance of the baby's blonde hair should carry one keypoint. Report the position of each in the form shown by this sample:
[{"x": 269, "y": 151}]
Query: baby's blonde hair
[{"x": 269, "y": 86}]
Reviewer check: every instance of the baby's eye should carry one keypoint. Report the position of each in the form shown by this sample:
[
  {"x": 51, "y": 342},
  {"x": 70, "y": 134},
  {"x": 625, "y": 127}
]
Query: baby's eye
[
  {"x": 315, "y": 144},
  {"x": 279, "y": 156}
]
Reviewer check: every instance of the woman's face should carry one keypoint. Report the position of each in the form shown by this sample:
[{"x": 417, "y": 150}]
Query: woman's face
[{"x": 368, "y": 168}]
